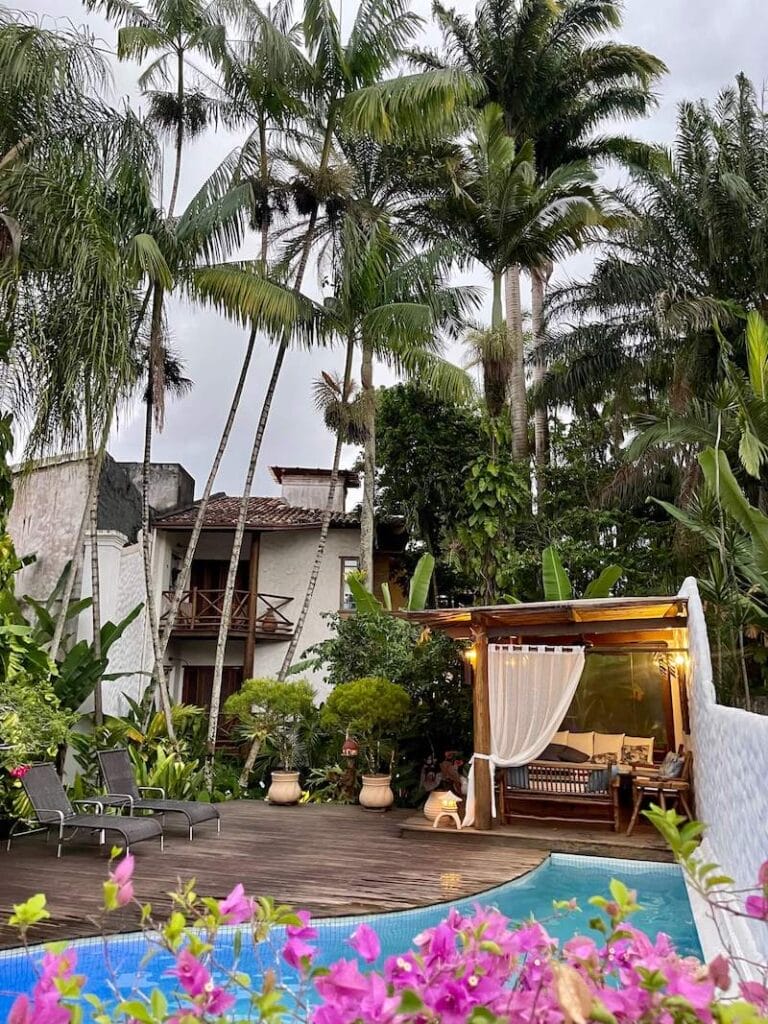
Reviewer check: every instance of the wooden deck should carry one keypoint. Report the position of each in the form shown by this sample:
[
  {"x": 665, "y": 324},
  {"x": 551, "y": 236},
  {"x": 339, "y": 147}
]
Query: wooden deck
[
  {"x": 330, "y": 860},
  {"x": 556, "y": 837}
]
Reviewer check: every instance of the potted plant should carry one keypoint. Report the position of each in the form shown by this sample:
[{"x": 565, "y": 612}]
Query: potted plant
[
  {"x": 372, "y": 709},
  {"x": 275, "y": 712}
]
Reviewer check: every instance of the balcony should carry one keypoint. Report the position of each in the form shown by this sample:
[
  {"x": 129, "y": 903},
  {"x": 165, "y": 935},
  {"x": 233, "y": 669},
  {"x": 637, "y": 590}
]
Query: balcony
[{"x": 200, "y": 614}]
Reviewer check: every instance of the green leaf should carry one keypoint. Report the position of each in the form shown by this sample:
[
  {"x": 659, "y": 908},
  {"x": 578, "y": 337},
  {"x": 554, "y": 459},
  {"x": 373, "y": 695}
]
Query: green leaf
[
  {"x": 605, "y": 582},
  {"x": 557, "y": 586},
  {"x": 420, "y": 581},
  {"x": 365, "y": 602}
]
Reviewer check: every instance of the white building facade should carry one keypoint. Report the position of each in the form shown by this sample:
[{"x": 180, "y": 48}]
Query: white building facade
[{"x": 276, "y": 557}]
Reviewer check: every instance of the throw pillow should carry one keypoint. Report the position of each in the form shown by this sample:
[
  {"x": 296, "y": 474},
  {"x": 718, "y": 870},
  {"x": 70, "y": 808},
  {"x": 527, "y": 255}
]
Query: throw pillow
[
  {"x": 552, "y": 752},
  {"x": 517, "y": 778},
  {"x": 598, "y": 781},
  {"x": 573, "y": 756},
  {"x": 606, "y": 758},
  {"x": 634, "y": 754},
  {"x": 671, "y": 766}
]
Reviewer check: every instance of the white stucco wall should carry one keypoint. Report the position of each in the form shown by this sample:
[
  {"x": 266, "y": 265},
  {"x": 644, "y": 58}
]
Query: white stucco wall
[
  {"x": 730, "y": 760},
  {"x": 45, "y": 519},
  {"x": 285, "y": 560}
]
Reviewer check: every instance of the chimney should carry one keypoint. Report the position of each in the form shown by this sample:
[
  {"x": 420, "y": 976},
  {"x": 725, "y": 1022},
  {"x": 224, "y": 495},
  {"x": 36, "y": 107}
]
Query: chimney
[{"x": 303, "y": 487}]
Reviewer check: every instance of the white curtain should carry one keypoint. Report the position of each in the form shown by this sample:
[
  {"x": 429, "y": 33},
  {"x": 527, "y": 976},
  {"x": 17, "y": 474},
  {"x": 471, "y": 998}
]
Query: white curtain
[{"x": 530, "y": 691}]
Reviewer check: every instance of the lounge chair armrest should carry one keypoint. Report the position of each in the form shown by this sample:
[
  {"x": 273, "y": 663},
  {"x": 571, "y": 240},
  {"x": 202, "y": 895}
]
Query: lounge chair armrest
[
  {"x": 153, "y": 789},
  {"x": 117, "y": 800},
  {"x": 90, "y": 802},
  {"x": 49, "y": 810}
]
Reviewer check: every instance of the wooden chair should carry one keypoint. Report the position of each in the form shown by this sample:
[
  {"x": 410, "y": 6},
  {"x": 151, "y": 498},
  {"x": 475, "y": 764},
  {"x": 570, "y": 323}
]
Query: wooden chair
[{"x": 647, "y": 784}]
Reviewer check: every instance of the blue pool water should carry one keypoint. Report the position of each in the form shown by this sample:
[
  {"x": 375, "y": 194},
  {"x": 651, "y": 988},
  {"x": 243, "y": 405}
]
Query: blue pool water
[{"x": 660, "y": 887}]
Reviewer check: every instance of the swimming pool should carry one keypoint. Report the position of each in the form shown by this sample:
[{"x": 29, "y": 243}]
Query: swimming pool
[{"x": 661, "y": 891}]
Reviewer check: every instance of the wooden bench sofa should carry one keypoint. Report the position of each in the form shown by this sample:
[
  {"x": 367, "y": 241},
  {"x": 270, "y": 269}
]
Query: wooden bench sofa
[{"x": 572, "y": 792}]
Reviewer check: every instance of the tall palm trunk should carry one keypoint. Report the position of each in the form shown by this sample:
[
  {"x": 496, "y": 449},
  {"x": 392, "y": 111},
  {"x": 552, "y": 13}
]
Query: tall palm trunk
[
  {"x": 179, "y": 130},
  {"x": 155, "y": 354},
  {"x": 218, "y": 670},
  {"x": 234, "y": 560},
  {"x": 517, "y": 395},
  {"x": 326, "y": 523},
  {"x": 539, "y": 279},
  {"x": 367, "y": 522},
  {"x": 182, "y": 580},
  {"x": 93, "y": 532},
  {"x": 197, "y": 529}
]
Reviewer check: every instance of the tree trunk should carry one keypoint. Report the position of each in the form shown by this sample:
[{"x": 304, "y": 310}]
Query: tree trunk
[
  {"x": 517, "y": 395},
  {"x": 93, "y": 532},
  {"x": 93, "y": 484},
  {"x": 744, "y": 673},
  {"x": 158, "y": 671},
  {"x": 367, "y": 521},
  {"x": 325, "y": 527},
  {"x": 264, "y": 164},
  {"x": 234, "y": 559},
  {"x": 300, "y": 271},
  {"x": 539, "y": 278},
  {"x": 189, "y": 555},
  {"x": 179, "y": 130}
]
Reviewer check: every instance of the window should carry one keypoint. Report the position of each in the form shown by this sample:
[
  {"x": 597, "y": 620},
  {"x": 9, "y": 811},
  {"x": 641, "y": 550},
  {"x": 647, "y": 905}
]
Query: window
[
  {"x": 348, "y": 564},
  {"x": 623, "y": 692}
]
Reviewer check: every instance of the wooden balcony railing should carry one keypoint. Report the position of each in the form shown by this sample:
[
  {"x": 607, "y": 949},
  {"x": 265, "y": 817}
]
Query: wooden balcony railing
[{"x": 200, "y": 611}]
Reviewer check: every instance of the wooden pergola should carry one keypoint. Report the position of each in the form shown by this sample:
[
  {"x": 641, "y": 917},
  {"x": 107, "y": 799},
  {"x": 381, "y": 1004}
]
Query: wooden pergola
[{"x": 624, "y": 623}]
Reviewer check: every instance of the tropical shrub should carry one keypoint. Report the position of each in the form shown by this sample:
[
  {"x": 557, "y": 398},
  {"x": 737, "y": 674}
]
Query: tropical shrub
[
  {"x": 277, "y": 712},
  {"x": 474, "y": 969},
  {"x": 373, "y": 710},
  {"x": 426, "y": 664}
]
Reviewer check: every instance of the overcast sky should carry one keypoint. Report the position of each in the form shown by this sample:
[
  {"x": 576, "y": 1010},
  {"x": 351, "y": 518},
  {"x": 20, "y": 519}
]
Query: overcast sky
[{"x": 703, "y": 42}]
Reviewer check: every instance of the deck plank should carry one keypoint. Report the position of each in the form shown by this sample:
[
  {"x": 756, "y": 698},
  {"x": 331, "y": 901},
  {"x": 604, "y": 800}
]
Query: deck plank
[{"x": 331, "y": 860}]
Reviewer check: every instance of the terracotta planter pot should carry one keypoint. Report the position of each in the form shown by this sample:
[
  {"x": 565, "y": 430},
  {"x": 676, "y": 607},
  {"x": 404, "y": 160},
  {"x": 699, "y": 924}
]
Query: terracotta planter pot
[
  {"x": 285, "y": 788},
  {"x": 433, "y": 806},
  {"x": 376, "y": 794}
]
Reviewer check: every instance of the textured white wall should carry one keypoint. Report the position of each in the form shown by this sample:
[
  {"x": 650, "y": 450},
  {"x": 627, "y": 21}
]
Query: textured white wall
[
  {"x": 730, "y": 751},
  {"x": 44, "y": 521},
  {"x": 285, "y": 561}
]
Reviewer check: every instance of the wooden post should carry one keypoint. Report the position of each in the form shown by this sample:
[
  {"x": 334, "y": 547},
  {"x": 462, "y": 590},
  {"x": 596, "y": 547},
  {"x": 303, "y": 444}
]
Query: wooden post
[
  {"x": 253, "y": 588},
  {"x": 481, "y": 713}
]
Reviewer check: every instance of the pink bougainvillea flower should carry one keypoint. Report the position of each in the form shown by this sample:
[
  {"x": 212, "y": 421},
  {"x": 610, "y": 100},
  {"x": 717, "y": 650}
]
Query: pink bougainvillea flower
[
  {"x": 122, "y": 876},
  {"x": 762, "y": 874},
  {"x": 297, "y": 953},
  {"x": 21, "y": 1011},
  {"x": 365, "y": 943},
  {"x": 237, "y": 907},
  {"x": 218, "y": 1002},
  {"x": 403, "y": 971},
  {"x": 720, "y": 973},
  {"x": 19, "y": 771},
  {"x": 193, "y": 977},
  {"x": 343, "y": 981},
  {"x": 757, "y": 906},
  {"x": 756, "y": 994},
  {"x": 303, "y": 930}
]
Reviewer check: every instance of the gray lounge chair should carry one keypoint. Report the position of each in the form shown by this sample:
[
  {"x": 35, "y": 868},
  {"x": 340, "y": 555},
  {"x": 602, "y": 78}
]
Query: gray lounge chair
[
  {"x": 52, "y": 808},
  {"x": 117, "y": 773}
]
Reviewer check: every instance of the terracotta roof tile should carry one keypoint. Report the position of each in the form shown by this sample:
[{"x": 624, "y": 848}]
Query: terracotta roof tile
[{"x": 263, "y": 514}]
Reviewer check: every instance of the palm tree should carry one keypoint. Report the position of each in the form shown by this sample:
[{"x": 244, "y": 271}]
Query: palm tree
[
  {"x": 348, "y": 93},
  {"x": 263, "y": 83},
  {"x": 673, "y": 284},
  {"x": 74, "y": 175},
  {"x": 558, "y": 81},
  {"x": 491, "y": 205}
]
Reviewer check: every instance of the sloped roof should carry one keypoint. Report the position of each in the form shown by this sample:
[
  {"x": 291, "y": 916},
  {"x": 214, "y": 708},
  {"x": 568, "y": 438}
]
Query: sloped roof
[{"x": 263, "y": 514}]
